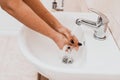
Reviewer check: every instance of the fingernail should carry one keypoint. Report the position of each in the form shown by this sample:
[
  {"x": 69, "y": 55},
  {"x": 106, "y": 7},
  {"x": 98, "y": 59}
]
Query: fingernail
[
  {"x": 68, "y": 47},
  {"x": 79, "y": 44},
  {"x": 72, "y": 41}
]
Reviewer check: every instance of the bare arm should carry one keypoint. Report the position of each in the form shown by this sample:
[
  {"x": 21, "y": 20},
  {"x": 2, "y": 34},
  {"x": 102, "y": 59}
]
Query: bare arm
[
  {"x": 19, "y": 10},
  {"x": 23, "y": 13},
  {"x": 42, "y": 12}
]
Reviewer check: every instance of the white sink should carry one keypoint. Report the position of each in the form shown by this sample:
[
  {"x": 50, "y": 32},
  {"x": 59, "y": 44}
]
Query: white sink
[{"x": 95, "y": 60}]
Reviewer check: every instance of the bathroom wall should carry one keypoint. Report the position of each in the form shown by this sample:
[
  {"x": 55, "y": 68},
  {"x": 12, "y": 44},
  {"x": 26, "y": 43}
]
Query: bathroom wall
[
  {"x": 75, "y": 5},
  {"x": 111, "y": 9},
  {"x": 69, "y": 5}
]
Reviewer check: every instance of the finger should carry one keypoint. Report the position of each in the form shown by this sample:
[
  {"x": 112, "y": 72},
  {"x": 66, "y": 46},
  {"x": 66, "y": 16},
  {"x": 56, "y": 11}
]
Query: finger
[
  {"x": 76, "y": 48},
  {"x": 64, "y": 42},
  {"x": 75, "y": 41},
  {"x": 67, "y": 35},
  {"x": 69, "y": 48},
  {"x": 79, "y": 44}
]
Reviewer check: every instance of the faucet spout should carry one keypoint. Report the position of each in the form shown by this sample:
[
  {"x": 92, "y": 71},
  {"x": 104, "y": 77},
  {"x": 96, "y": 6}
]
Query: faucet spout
[
  {"x": 100, "y": 26},
  {"x": 56, "y": 7}
]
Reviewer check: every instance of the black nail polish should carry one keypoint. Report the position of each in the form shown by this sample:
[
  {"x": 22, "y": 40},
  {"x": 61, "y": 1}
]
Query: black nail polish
[
  {"x": 68, "y": 47},
  {"x": 72, "y": 41},
  {"x": 79, "y": 44}
]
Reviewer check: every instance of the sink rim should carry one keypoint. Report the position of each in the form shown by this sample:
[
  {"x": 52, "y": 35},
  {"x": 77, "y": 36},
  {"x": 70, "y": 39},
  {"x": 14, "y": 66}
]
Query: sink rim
[{"x": 37, "y": 62}]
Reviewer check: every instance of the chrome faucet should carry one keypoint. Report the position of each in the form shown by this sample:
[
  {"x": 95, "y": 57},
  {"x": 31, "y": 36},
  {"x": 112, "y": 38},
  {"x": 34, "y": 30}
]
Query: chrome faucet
[
  {"x": 55, "y": 6},
  {"x": 100, "y": 26}
]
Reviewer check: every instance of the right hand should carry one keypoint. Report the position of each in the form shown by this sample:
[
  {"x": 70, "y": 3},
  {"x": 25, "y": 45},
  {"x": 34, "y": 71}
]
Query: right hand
[{"x": 61, "y": 40}]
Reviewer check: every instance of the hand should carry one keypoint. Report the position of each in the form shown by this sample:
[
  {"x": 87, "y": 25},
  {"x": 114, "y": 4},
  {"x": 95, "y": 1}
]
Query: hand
[
  {"x": 67, "y": 33},
  {"x": 61, "y": 40}
]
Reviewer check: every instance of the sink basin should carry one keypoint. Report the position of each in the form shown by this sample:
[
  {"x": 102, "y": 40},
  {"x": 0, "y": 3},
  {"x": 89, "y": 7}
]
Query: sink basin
[{"x": 95, "y": 60}]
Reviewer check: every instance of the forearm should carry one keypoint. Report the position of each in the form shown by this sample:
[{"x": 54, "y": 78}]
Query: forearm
[
  {"x": 25, "y": 15},
  {"x": 42, "y": 12}
]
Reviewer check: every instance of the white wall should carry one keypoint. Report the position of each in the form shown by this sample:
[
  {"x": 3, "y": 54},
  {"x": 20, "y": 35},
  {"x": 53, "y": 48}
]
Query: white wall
[
  {"x": 69, "y": 5},
  {"x": 105, "y": 5}
]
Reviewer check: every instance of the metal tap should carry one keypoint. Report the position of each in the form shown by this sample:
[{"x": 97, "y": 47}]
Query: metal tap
[
  {"x": 100, "y": 26},
  {"x": 55, "y": 6}
]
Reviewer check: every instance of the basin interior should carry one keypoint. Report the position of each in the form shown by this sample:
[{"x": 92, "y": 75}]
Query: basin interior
[
  {"x": 101, "y": 58},
  {"x": 47, "y": 52}
]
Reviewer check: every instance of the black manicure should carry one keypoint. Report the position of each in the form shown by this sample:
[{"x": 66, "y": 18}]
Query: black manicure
[
  {"x": 72, "y": 41},
  {"x": 79, "y": 44},
  {"x": 68, "y": 47}
]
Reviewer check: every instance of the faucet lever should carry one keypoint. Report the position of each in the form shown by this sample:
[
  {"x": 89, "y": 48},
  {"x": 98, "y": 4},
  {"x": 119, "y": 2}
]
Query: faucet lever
[
  {"x": 101, "y": 17},
  {"x": 100, "y": 26}
]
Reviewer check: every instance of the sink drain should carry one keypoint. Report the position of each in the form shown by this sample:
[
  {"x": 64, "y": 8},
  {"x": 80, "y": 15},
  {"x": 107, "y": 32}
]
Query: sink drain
[{"x": 67, "y": 60}]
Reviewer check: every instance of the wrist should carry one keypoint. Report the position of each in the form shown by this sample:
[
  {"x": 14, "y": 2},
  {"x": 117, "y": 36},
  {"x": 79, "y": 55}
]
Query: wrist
[
  {"x": 54, "y": 36},
  {"x": 58, "y": 27}
]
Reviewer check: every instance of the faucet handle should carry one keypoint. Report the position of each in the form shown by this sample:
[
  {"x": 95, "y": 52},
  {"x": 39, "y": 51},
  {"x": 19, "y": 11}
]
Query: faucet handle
[{"x": 101, "y": 17}]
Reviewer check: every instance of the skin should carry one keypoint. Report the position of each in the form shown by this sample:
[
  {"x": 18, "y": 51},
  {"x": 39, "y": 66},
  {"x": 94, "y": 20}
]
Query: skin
[{"x": 35, "y": 16}]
